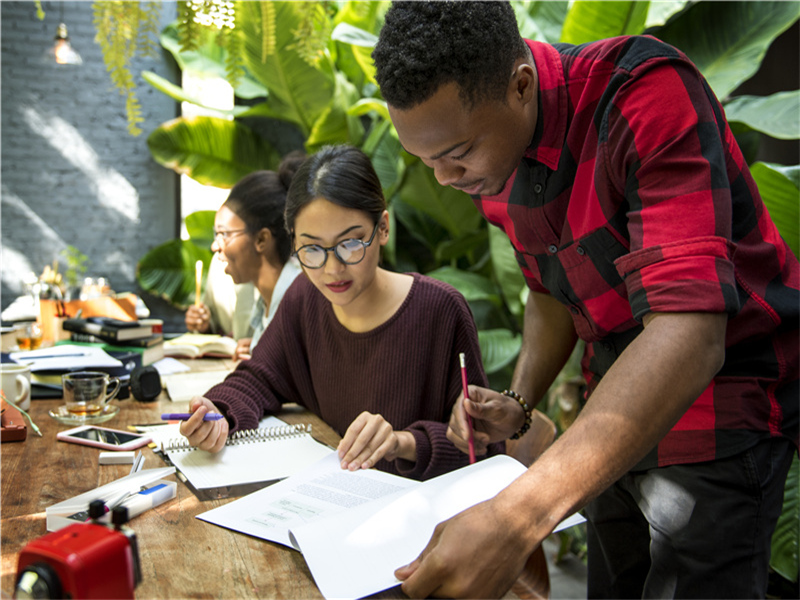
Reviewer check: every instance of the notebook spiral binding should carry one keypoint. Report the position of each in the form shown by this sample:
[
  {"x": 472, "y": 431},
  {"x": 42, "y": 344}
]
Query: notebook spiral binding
[{"x": 246, "y": 436}]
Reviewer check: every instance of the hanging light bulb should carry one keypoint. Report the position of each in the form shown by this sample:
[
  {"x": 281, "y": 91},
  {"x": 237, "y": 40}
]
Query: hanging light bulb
[{"x": 64, "y": 53}]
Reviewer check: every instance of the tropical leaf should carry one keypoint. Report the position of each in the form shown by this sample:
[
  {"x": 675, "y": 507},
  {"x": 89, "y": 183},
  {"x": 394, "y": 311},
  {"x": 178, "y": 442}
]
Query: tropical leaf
[
  {"x": 449, "y": 207},
  {"x": 335, "y": 125},
  {"x": 779, "y": 191},
  {"x": 506, "y": 270},
  {"x": 499, "y": 348},
  {"x": 360, "y": 44},
  {"x": 168, "y": 271},
  {"x": 472, "y": 286},
  {"x": 211, "y": 151},
  {"x": 588, "y": 21},
  {"x": 177, "y": 93},
  {"x": 298, "y": 91},
  {"x": 728, "y": 40},
  {"x": 200, "y": 226},
  {"x": 209, "y": 58},
  {"x": 784, "y": 558},
  {"x": 541, "y": 20},
  {"x": 777, "y": 115},
  {"x": 661, "y": 11}
]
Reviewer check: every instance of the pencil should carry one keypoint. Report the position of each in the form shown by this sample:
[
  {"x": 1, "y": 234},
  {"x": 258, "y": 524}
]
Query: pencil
[
  {"x": 198, "y": 280},
  {"x": 466, "y": 397}
]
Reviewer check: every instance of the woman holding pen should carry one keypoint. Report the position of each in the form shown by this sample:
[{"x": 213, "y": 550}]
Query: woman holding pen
[
  {"x": 374, "y": 353},
  {"x": 249, "y": 237}
]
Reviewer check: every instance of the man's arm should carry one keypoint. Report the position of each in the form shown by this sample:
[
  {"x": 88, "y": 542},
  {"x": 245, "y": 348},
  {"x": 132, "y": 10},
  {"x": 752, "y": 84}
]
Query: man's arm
[{"x": 481, "y": 551}]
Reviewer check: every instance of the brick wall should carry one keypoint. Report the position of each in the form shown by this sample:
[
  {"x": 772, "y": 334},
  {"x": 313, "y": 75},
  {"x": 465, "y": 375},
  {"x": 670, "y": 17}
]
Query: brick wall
[{"x": 71, "y": 173}]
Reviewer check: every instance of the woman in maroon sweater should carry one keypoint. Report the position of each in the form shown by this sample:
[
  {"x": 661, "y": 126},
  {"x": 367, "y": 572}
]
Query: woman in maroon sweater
[{"x": 372, "y": 352}]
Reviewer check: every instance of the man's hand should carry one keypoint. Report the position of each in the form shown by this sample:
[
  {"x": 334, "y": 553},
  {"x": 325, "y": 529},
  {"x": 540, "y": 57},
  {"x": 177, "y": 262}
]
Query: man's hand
[
  {"x": 475, "y": 554},
  {"x": 198, "y": 318},
  {"x": 495, "y": 417},
  {"x": 371, "y": 438},
  {"x": 206, "y": 435}
]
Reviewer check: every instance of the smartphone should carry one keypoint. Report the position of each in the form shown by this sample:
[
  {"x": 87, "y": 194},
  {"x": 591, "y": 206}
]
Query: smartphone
[{"x": 101, "y": 437}]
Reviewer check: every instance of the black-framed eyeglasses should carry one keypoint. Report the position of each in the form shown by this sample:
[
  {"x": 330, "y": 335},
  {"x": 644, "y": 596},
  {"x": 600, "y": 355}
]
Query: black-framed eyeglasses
[
  {"x": 349, "y": 252},
  {"x": 223, "y": 237}
]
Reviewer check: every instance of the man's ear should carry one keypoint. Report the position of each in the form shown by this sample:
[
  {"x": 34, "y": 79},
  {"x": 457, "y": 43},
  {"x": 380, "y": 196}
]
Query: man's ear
[{"x": 522, "y": 86}]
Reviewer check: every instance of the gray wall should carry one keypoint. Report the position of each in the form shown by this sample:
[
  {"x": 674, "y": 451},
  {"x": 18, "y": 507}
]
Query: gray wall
[{"x": 71, "y": 173}]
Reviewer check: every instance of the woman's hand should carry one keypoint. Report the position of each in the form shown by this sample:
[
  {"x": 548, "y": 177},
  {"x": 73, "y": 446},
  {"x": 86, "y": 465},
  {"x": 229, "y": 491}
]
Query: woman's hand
[
  {"x": 242, "y": 351},
  {"x": 198, "y": 318},
  {"x": 206, "y": 435},
  {"x": 371, "y": 438}
]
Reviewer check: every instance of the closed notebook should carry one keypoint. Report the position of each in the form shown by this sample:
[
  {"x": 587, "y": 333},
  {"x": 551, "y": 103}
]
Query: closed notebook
[{"x": 249, "y": 456}]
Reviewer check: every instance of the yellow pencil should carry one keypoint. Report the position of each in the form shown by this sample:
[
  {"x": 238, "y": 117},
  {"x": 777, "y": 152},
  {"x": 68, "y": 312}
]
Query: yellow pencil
[{"x": 198, "y": 280}]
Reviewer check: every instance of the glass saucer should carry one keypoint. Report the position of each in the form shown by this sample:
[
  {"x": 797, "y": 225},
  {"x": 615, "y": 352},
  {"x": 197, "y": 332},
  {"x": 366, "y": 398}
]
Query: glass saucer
[{"x": 63, "y": 416}]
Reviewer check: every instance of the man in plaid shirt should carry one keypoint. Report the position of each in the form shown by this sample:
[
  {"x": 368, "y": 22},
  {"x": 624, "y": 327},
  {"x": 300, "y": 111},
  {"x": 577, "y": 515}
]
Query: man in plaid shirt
[{"x": 639, "y": 229}]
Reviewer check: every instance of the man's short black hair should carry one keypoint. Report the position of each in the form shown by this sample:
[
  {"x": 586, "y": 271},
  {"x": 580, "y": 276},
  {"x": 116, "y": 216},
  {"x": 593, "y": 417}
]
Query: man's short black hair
[{"x": 424, "y": 45}]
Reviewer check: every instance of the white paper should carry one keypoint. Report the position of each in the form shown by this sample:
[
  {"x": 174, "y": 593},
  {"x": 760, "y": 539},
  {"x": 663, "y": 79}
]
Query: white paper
[
  {"x": 321, "y": 491},
  {"x": 378, "y": 537},
  {"x": 65, "y": 357},
  {"x": 185, "y": 386},
  {"x": 169, "y": 365}
]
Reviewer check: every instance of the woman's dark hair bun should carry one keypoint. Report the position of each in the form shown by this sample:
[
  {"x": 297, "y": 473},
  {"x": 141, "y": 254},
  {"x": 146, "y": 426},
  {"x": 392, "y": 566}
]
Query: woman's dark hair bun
[{"x": 289, "y": 165}]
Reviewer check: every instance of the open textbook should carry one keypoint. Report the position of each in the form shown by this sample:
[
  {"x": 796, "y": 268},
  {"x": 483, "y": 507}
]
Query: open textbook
[{"x": 369, "y": 518}]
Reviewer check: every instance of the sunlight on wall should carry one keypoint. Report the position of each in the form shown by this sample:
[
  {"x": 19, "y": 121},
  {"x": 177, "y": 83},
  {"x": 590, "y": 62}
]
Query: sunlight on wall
[
  {"x": 112, "y": 190},
  {"x": 216, "y": 92}
]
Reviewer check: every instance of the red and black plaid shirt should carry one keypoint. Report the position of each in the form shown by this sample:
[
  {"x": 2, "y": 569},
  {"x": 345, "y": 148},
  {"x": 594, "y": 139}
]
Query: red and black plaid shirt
[{"x": 634, "y": 197}]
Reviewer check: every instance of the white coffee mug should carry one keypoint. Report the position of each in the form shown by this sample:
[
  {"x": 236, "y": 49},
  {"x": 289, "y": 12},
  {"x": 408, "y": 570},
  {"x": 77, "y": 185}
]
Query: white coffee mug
[{"x": 16, "y": 384}]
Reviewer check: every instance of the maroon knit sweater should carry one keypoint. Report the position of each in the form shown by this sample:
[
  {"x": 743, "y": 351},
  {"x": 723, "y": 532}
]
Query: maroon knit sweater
[{"x": 406, "y": 370}]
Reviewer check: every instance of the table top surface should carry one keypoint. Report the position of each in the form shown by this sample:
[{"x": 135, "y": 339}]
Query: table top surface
[{"x": 180, "y": 556}]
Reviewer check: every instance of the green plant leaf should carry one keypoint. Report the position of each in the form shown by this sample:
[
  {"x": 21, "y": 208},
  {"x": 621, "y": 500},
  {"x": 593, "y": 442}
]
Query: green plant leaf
[
  {"x": 298, "y": 91},
  {"x": 200, "y": 226},
  {"x": 728, "y": 40},
  {"x": 661, "y": 11},
  {"x": 499, "y": 348},
  {"x": 541, "y": 20},
  {"x": 472, "y": 286},
  {"x": 168, "y": 271},
  {"x": 449, "y": 207},
  {"x": 211, "y": 151},
  {"x": 335, "y": 125},
  {"x": 208, "y": 58},
  {"x": 177, "y": 93},
  {"x": 785, "y": 540},
  {"x": 452, "y": 249},
  {"x": 781, "y": 196},
  {"x": 507, "y": 270},
  {"x": 777, "y": 115},
  {"x": 588, "y": 21}
]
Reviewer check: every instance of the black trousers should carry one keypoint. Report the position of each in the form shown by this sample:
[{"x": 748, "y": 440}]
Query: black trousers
[{"x": 689, "y": 531}]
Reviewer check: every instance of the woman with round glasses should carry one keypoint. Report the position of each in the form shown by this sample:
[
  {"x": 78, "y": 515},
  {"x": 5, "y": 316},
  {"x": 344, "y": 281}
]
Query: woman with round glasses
[
  {"x": 250, "y": 238},
  {"x": 372, "y": 352}
]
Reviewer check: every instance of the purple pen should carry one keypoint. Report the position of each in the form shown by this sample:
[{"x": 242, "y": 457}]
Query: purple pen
[{"x": 185, "y": 416}]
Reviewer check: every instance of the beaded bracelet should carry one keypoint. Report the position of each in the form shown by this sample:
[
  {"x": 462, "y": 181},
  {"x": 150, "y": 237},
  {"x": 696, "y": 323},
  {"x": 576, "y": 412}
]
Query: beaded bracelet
[{"x": 527, "y": 424}]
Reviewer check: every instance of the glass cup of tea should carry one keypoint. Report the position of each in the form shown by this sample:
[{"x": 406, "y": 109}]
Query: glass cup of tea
[
  {"x": 29, "y": 335},
  {"x": 86, "y": 392}
]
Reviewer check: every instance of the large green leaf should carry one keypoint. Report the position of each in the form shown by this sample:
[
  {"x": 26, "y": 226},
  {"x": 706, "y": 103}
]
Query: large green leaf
[
  {"x": 541, "y": 20},
  {"x": 298, "y": 91},
  {"x": 361, "y": 44},
  {"x": 335, "y": 125},
  {"x": 777, "y": 115},
  {"x": 499, "y": 348},
  {"x": 785, "y": 540},
  {"x": 177, "y": 93},
  {"x": 208, "y": 58},
  {"x": 200, "y": 226},
  {"x": 728, "y": 40},
  {"x": 588, "y": 21},
  {"x": 211, "y": 151},
  {"x": 449, "y": 207},
  {"x": 661, "y": 11},
  {"x": 472, "y": 286},
  {"x": 506, "y": 269},
  {"x": 168, "y": 271},
  {"x": 779, "y": 190}
]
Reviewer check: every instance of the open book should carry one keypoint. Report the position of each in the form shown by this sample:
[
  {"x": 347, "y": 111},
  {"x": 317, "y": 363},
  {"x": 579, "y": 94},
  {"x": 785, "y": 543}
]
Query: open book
[
  {"x": 195, "y": 345},
  {"x": 369, "y": 519}
]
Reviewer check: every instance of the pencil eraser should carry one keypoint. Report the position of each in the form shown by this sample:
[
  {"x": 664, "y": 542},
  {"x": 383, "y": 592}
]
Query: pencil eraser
[{"x": 117, "y": 458}]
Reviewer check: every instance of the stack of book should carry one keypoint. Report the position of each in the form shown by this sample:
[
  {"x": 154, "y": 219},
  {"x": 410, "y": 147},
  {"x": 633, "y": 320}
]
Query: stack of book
[{"x": 125, "y": 340}]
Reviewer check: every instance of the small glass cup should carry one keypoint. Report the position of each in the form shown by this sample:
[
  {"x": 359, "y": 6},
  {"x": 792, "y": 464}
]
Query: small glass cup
[
  {"x": 85, "y": 392},
  {"x": 28, "y": 335}
]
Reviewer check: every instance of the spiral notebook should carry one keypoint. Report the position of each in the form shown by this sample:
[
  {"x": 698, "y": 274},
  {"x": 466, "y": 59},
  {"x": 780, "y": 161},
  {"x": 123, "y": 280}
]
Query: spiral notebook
[{"x": 273, "y": 451}]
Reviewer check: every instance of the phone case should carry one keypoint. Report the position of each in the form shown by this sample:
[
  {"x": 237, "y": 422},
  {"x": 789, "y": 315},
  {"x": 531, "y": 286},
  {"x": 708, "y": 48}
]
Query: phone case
[{"x": 66, "y": 436}]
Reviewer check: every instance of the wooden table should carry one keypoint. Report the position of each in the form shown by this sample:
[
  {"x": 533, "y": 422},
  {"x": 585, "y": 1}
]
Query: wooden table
[{"x": 181, "y": 557}]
